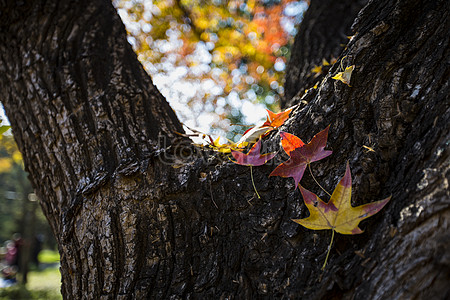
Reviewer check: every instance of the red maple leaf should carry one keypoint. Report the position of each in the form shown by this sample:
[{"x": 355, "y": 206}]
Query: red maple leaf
[
  {"x": 253, "y": 157},
  {"x": 300, "y": 154},
  {"x": 275, "y": 120}
]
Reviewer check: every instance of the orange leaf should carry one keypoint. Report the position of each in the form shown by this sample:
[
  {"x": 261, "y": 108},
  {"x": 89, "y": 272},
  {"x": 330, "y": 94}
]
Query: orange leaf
[
  {"x": 290, "y": 142},
  {"x": 275, "y": 120}
]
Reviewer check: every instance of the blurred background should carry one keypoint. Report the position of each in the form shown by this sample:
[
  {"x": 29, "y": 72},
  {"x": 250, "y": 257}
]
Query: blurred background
[
  {"x": 219, "y": 63},
  {"x": 29, "y": 260}
]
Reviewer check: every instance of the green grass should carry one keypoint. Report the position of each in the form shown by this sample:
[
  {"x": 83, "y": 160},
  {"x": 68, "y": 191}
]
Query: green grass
[
  {"x": 48, "y": 257},
  {"x": 20, "y": 292},
  {"x": 47, "y": 281},
  {"x": 42, "y": 284}
]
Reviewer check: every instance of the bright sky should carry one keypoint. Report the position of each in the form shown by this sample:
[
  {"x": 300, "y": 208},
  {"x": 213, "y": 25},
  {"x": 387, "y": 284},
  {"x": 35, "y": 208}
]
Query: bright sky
[
  {"x": 3, "y": 117},
  {"x": 178, "y": 92}
]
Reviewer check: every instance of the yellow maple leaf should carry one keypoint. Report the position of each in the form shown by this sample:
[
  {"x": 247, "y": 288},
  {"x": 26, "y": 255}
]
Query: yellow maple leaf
[
  {"x": 317, "y": 69},
  {"x": 223, "y": 148},
  {"x": 338, "y": 214},
  {"x": 345, "y": 76}
]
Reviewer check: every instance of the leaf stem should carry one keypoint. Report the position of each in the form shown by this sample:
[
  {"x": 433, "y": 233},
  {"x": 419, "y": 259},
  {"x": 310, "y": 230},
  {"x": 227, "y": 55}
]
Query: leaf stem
[
  {"x": 253, "y": 182},
  {"x": 309, "y": 167},
  {"x": 329, "y": 249}
]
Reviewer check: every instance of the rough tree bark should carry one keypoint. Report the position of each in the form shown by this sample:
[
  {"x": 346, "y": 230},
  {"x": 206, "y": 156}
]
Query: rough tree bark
[
  {"x": 139, "y": 214},
  {"x": 322, "y": 34}
]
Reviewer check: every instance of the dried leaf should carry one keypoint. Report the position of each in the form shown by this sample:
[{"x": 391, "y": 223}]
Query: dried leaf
[
  {"x": 338, "y": 214},
  {"x": 253, "y": 157},
  {"x": 345, "y": 76},
  {"x": 290, "y": 142},
  {"x": 251, "y": 135},
  {"x": 317, "y": 69},
  {"x": 300, "y": 154},
  {"x": 275, "y": 120}
]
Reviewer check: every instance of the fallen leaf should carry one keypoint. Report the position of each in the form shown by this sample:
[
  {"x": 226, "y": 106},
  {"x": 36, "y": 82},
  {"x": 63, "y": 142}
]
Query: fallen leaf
[
  {"x": 253, "y": 157},
  {"x": 224, "y": 148},
  {"x": 368, "y": 148},
  {"x": 360, "y": 253},
  {"x": 306, "y": 91},
  {"x": 252, "y": 134},
  {"x": 275, "y": 120},
  {"x": 338, "y": 214},
  {"x": 317, "y": 69},
  {"x": 290, "y": 142},
  {"x": 203, "y": 176},
  {"x": 345, "y": 76},
  {"x": 301, "y": 154},
  {"x": 393, "y": 231}
]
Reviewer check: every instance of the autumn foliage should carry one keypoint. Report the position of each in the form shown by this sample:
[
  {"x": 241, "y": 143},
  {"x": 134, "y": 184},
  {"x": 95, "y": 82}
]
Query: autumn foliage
[
  {"x": 238, "y": 46},
  {"x": 245, "y": 48},
  {"x": 301, "y": 155},
  {"x": 337, "y": 214}
]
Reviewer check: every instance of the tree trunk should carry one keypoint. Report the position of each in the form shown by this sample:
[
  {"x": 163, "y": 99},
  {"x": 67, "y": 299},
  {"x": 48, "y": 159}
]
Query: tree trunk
[
  {"x": 141, "y": 214},
  {"x": 323, "y": 33}
]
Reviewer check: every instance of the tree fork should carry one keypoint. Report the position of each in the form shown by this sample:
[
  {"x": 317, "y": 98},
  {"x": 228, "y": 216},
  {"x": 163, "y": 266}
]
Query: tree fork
[{"x": 135, "y": 220}]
